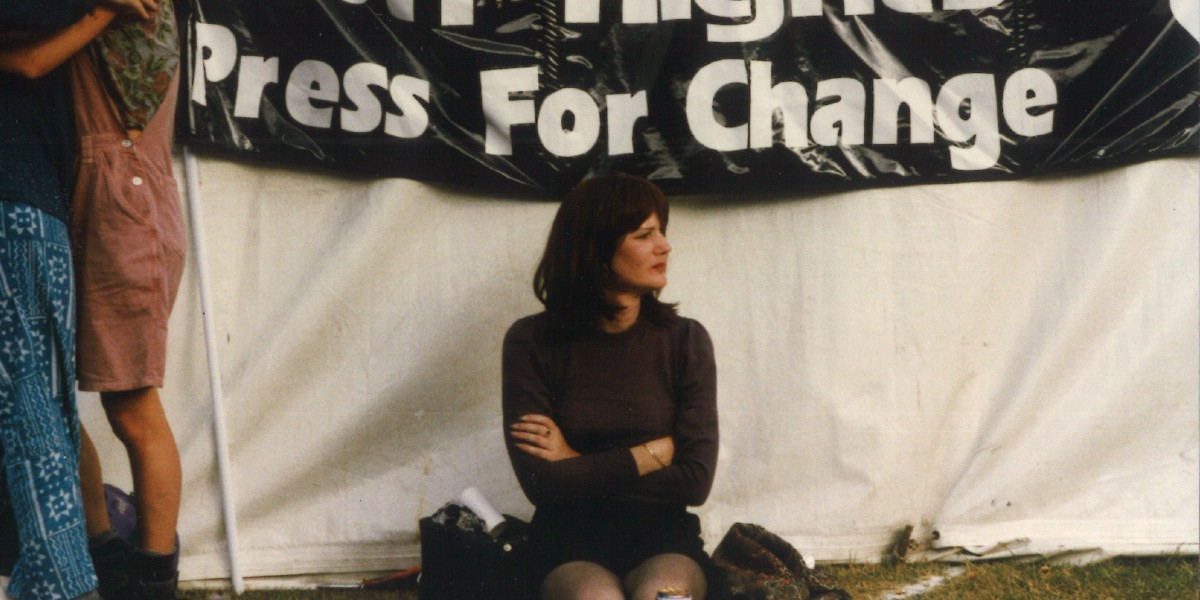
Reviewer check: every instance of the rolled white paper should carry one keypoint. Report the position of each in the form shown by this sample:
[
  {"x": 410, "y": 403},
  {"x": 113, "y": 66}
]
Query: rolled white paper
[{"x": 474, "y": 500}]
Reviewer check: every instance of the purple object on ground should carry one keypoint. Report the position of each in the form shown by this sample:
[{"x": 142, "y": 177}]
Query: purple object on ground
[
  {"x": 121, "y": 511},
  {"x": 122, "y": 514}
]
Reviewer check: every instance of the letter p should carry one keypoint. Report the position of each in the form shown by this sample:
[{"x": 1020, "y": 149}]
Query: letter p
[{"x": 221, "y": 46}]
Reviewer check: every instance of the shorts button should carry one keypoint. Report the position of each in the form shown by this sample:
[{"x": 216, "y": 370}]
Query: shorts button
[
  {"x": 137, "y": 181},
  {"x": 126, "y": 143}
]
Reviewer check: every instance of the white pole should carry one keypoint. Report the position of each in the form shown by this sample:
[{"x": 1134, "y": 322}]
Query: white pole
[{"x": 214, "y": 370}]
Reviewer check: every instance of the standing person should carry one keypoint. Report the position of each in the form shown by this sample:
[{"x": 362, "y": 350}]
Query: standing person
[
  {"x": 39, "y": 423},
  {"x": 128, "y": 238},
  {"x": 610, "y": 405}
]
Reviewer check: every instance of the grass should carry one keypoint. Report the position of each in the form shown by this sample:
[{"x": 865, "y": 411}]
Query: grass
[
  {"x": 871, "y": 580},
  {"x": 295, "y": 595},
  {"x": 1159, "y": 578},
  {"x": 1165, "y": 578}
]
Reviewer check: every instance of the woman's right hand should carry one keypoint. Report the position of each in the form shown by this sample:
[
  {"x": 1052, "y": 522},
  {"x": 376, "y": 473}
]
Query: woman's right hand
[
  {"x": 540, "y": 436},
  {"x": 140, "y": 8},
  {"x": 654, "y": 455}
]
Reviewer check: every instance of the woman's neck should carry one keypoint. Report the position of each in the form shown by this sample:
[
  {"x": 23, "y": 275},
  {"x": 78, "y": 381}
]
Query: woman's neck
[{"x": 631, "y": 307}]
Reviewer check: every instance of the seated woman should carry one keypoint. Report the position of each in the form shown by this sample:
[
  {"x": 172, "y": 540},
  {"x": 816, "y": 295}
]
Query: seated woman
[{"x": 610, "y": 405}]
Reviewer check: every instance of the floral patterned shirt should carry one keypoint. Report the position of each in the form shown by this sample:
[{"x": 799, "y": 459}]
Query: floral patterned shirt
[{"x": 136, "y": 60}]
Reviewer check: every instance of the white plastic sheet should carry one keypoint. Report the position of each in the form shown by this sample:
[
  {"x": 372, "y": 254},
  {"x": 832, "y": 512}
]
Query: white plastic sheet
[{"x": 985, "y": 362}]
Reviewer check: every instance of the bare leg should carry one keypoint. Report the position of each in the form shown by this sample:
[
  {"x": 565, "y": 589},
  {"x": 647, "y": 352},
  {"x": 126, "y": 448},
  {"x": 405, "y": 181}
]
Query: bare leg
[
  {"x": 91, "y": 479},
  {"x": 666, "y": 571},
  {"x": 138, "y": 420},
  {"x": 581, "y": 580}
]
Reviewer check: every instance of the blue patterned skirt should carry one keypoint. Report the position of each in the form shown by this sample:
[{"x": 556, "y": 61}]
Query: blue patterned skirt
[{"x": 39, "y": 421}]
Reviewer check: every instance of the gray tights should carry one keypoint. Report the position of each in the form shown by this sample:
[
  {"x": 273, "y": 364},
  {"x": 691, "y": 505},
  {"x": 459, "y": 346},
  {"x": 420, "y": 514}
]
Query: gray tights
[{"x": 582, "y": 580}]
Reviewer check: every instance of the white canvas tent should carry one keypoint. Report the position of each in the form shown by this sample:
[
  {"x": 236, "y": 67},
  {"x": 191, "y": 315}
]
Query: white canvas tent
[{"x": 990, "y": 363}]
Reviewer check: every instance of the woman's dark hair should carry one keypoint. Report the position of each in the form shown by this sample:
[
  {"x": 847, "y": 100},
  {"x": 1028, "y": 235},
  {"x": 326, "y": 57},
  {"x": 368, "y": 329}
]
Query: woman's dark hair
[{"x": 576, "y": 267}]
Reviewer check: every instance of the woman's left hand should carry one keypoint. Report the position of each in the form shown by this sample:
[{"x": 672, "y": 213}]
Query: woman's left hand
[
  {"x": 143, "y": 9},
  {"x": 539, "y": 435}
]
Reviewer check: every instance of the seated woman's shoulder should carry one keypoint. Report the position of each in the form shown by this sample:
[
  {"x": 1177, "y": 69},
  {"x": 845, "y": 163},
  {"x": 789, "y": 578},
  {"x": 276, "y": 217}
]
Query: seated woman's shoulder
[
  {"x": 691, "y": 331},
  {"x": 530, "y": 327},
  {"x": 687, "y": 324}
]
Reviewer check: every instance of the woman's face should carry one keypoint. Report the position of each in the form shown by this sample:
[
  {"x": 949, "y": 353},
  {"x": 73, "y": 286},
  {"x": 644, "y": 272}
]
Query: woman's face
[{"x": 640, "y": 262}]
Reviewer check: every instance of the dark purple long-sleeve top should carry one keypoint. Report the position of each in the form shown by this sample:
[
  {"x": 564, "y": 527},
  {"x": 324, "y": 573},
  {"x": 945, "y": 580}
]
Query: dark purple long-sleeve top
[
  {"x": 608, "y": 393},
  {"x": 37, "y": 134}
]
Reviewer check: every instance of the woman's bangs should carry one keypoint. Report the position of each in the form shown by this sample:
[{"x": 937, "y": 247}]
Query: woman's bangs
[{"x": 637, "y": 200}]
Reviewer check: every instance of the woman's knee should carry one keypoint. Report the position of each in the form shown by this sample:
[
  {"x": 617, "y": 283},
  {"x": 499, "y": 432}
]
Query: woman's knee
[
  {"x": 135, "y": 415},
  {"x": 581, "y": 581},
  {"x": 665, "y": 571}
]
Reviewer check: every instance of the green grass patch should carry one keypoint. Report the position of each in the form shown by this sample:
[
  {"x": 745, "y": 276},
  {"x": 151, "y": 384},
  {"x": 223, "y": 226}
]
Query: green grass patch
[
  {"x": 871, "y": 580},
  {"x": 1158, "y": 578},
  {"x": 296, "y": 595}
]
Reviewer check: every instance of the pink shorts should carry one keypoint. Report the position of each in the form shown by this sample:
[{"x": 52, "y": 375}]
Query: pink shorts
[{"x": 129, "y": 244}]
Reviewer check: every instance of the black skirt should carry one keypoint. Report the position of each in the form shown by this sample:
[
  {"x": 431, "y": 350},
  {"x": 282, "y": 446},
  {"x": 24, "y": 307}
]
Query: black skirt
[{"x": 616, "y": 535}]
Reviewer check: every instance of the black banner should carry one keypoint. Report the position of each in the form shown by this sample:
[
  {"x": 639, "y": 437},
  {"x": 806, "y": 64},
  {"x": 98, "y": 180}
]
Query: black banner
[{"x": 530, "y": 96}]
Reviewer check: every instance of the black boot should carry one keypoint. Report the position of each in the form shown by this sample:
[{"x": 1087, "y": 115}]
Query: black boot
[
  {"x": 111, "y": 555},
  {"x": 153, "y": 576}
]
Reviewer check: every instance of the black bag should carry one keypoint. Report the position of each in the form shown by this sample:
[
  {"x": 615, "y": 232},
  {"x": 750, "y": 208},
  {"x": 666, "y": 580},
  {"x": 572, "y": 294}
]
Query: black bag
[{"x": 460, "y": 561}]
